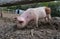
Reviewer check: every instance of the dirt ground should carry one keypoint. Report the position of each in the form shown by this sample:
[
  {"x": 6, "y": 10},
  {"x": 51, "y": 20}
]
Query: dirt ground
[
  {"x": 10, "y": 15},
  {"x": 8, "y": 30}
]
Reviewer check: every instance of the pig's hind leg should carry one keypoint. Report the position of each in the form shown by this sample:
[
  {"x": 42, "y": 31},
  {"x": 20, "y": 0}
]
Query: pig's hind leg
[
  {"x": 36, "y": 21},
  {"x": 49, "y": 17}
]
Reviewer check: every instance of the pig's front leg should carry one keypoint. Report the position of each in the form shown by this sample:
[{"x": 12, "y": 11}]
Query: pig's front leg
[{"x": 36, "y": 20}]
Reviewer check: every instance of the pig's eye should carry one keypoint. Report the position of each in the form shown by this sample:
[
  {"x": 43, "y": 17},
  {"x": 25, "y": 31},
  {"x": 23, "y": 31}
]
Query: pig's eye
[
  {"x": 27, "y": 16},
  {"x": 30, "y": 12}
]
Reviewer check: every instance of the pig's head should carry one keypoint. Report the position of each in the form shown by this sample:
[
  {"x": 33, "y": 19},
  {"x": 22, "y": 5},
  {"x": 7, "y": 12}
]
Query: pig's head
[
  {"x": 21, "y": 22},
  {"x": 24, "y": 18}
]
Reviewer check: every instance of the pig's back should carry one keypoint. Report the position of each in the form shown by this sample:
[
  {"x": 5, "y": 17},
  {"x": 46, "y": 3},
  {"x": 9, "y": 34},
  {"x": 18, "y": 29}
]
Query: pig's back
[{"x": 40, "y": 12}]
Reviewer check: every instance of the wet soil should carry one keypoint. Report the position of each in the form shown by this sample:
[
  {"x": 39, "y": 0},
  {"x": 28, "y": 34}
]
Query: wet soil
[{"x": 8, "y": 30}]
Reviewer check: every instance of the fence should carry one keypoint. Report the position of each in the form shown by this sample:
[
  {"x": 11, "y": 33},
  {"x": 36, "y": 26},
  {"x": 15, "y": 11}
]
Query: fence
[{"x": 8, "y": 13}]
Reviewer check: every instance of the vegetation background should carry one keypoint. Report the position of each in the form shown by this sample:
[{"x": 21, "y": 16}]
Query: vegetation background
[{"x": 54, "y": 5}]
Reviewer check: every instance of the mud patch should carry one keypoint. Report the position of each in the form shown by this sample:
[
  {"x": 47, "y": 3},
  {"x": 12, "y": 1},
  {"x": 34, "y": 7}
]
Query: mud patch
[{"x": 44, "y": 31}]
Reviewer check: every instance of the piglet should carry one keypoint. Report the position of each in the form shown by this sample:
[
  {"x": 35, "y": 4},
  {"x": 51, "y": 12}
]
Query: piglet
[
  {"x": 24, "y": 18},
  {"x": 33, "y": 14}
]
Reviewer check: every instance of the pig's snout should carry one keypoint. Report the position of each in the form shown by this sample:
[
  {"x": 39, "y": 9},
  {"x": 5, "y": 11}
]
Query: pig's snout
[{"x": 21, "y": 22}]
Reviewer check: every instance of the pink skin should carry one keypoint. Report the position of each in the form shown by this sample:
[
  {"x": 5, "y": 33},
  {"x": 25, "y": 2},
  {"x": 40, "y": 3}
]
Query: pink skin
[
  {"x": 31, "y": 14},
  {"x": 24, "y": 18}
]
